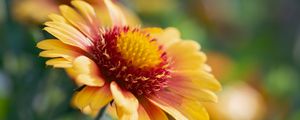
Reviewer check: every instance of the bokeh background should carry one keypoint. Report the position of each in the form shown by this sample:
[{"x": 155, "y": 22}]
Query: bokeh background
[{"x": 253, "y": 47}]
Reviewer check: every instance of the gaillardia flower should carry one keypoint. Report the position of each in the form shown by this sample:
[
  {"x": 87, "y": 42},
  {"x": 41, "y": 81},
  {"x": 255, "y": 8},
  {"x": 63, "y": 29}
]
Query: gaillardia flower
[{"x": 144, "y": 73}]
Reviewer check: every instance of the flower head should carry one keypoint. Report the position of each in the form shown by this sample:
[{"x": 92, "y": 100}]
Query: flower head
[{"x": 144, "y": 72}]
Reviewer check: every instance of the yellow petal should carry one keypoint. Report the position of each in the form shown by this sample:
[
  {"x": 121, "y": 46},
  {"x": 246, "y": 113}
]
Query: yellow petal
[
  {"x": 179, "y": 107},
  {"x": 193, "y": 110},
  {"x": 167, "y": 107},
  {"x": 66, "y": 38},
  {"x": 87, "y": 110},
  {"x": 102, "y": 97},
  {"x": 72, "y": 34},
  {"x": 126, "y": 103},
  {"x": 91, "y": 99},
  {"x": 69, "y": 55},
  {"x": 85, "y": 9},
  {"x": 89, "y": 14},
  {"x": 73, "y": 74},
  {"x": 153, "y": 30},
  {"x": 153, "y": 112},
  {"x": 167, "y": 37},
  {"x": 59, "y": 63},
  {"x": 182, "y": 85},
  {"x": 186, "y": 55},
  {"x": 85, "y": 65},
  {"x": 57, "y": 18},
  {"x": 89, "y": 80},
  {"x": 116, "y": 15},
  {"x": 77, "y": 20},
  {"x": 63, "y": 53},
  {"x": 83, "y": 98},
  {"x": 203, "y": 95},
  {"x": 199, "y": 78},
  {"x": 54, "y": 44},
  {"x": 87, "y": 72}
]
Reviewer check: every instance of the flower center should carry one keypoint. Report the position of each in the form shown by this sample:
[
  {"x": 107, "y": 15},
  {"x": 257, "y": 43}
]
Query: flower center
[
  {"x": 133, "y": 59},
  {"x": 138, "y": 49}
]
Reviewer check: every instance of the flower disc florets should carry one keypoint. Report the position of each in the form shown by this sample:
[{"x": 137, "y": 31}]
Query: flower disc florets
[{"x": 133, "y": 59}]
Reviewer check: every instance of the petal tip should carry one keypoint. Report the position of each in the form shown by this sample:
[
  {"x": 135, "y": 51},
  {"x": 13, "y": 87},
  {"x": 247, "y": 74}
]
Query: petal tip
[{"x": 117, "y": 17}]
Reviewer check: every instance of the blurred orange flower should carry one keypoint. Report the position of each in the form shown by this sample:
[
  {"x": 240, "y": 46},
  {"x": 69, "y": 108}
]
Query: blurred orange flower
[
  {"x": 221, "y": 64},
  {"x": 37, "y": 11},
  {"x": 142, "y": 71}
]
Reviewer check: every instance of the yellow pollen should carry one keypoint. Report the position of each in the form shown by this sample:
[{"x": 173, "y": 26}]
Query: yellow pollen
[{"x": 138, "y": 49}]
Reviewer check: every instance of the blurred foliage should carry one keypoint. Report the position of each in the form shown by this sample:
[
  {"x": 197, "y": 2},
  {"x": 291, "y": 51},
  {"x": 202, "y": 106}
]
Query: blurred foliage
[{"x": 256, "y": 42}]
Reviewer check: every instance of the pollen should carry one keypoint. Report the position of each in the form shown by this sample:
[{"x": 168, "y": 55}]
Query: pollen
[{"x": 138, "y": 49}]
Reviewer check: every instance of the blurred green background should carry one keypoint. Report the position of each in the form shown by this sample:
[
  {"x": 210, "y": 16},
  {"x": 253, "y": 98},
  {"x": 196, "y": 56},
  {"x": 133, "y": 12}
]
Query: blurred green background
[{"x": 253, "y": 47}]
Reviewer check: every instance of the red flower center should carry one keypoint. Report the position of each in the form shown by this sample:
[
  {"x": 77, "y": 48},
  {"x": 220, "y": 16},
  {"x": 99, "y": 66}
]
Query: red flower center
[{"x": 133, "y": 59}]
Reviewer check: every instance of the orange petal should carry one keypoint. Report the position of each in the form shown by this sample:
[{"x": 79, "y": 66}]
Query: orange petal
[
  {"x": 153, "y": 112},
  {"x": 126, "y": 103},
  {"x": 91, "y": 99},
  {"x": 143, "y": 114},
  {"x": 87, "y": 72},
  {"x": 116, "y": 15}
]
